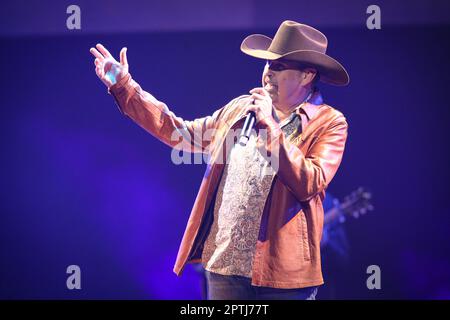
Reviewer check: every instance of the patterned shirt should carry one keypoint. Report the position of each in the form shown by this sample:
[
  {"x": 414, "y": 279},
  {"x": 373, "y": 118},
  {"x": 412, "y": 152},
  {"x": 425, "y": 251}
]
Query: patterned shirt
[{"x": 240, "y": 200}]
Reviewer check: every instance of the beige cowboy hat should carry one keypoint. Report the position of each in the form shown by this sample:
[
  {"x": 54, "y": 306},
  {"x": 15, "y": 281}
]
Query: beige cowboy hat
[{"x": 298, "y": 42}]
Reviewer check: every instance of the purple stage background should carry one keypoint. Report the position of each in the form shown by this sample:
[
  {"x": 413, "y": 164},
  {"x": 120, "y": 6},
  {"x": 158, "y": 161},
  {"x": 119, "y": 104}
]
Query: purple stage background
[{"x": 81, "y": 184}]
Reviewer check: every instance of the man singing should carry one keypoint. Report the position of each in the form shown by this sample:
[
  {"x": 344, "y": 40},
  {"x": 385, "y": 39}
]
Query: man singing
[{"x": 256, "y": 232}]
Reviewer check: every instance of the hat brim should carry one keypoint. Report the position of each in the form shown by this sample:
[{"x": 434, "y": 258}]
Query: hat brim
[{"x": 330, "y": 70}]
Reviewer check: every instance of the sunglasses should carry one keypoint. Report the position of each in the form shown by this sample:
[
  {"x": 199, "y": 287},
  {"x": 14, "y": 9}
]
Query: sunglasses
[{"x": 283, "y": 65}]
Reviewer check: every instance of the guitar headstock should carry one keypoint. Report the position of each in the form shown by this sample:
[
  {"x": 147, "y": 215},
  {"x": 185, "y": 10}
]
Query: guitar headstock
[{"x": 357, "y": 203}]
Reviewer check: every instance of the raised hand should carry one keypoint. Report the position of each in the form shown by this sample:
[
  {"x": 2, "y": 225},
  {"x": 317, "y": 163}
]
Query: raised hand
[{"x": 108, "y": 69}]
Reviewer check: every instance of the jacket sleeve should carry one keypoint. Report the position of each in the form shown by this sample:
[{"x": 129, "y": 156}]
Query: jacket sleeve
[
  {"x": 155, "y": 117},
  {"x": 306, "y": 175}
]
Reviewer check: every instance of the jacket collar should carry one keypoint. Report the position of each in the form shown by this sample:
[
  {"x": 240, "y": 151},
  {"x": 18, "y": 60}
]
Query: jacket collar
[{"x": 310, "y": 107}]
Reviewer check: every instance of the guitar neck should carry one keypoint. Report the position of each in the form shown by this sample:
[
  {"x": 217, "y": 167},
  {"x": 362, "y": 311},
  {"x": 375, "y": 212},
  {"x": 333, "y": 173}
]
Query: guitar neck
[{"x": 356, "y": 203}]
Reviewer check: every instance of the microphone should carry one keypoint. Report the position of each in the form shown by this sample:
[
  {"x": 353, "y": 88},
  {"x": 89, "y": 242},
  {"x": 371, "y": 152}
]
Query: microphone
[
  {"x": 250, "y": 122},
  {"x": 247, "y": 128}
]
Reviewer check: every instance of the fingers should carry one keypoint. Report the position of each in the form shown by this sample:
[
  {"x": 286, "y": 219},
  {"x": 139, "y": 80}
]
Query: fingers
[
  {"x": 101, "y": 74},
  {"x": 260, "y": 91},
  {"x": 97, "y": 70},
  {"x": 251, "y": 107},
  {"x": 99, "y": 67},
  {"x": 96, "y": 54},
  {"x": 261, "y": 103},
  {"x": 103, "y": 50},
  {"x": 100, "y": 71},
  {"x": 258, "y": 96},
  {"x": 123, "y": 57}
]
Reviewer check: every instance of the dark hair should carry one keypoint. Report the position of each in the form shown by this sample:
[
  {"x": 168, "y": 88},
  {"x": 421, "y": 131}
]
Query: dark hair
[{"x": 316, "y": 78}]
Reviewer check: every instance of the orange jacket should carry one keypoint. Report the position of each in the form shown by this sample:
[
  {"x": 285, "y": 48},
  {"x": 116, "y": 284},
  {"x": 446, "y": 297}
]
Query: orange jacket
[{"x": 287, "y": 253}]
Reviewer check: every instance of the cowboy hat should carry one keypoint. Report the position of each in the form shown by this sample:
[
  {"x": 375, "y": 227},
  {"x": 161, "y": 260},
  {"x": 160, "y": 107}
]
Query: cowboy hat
[{"x": 298, "y": 42}]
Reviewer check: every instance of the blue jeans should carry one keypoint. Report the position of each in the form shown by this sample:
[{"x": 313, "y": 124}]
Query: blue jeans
[{"x": 222, "y": 287}]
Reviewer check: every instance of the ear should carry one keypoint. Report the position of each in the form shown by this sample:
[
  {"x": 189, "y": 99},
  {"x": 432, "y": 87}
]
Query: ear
[{"x": 308, "y": 76}]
